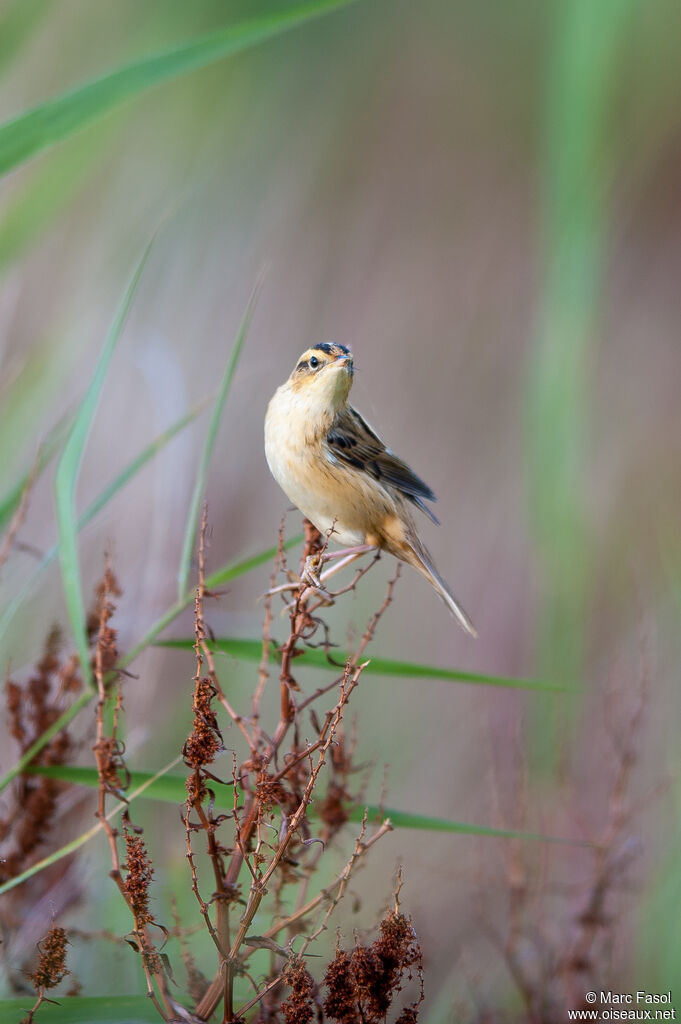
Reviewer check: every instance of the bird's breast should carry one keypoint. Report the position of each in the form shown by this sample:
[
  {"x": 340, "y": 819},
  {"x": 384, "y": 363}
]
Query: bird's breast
[{"x": 312, "y": 479}]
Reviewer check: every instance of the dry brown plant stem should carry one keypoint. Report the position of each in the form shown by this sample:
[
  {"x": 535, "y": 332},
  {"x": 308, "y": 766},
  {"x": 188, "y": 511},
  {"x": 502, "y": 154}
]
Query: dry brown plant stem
[
  {"x": 272, "y": 779},
  {"x": 251, "y": 849},
  {"x": 107, "y": 766}
]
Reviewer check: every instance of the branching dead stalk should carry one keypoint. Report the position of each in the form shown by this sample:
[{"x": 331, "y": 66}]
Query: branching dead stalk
[
  {"x": 263, "y": 850},
  {"x": 271, "y": 782},
  {"x": 113, "y": 779}
]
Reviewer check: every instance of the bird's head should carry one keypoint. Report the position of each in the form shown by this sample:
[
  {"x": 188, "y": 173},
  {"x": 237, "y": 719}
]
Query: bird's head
[{"x": 323, "y": 375}]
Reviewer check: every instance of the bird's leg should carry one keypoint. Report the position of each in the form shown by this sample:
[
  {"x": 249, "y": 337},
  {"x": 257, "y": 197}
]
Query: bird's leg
[
  {"x": 358, "y": 549},
  {"x": 347, "y": 557},
  {"x": 313, "y": 563},
  {"x": 358, "y": 575},
  {"x": 309, "y": 577}
]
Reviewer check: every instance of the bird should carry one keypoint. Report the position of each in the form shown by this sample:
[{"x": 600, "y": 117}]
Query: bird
[{"x": 335, "y": 468}]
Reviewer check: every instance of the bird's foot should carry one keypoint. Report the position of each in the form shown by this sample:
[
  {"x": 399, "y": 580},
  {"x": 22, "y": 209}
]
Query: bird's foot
[
  {"x": 309, "y": 577},
  {"x": 311, "y": 570}
]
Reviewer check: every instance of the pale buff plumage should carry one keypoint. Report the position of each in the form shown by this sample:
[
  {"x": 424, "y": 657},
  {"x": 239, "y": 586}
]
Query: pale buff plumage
[{"x": 338, "y": 472}]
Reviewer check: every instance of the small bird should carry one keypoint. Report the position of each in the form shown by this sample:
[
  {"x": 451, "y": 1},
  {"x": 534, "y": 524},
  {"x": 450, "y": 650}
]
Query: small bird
[{"x": 331, "y": 464}]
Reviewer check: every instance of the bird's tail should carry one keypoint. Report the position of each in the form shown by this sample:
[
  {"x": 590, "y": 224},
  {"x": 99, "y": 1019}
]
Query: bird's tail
[{"x": 420, "y": 558}]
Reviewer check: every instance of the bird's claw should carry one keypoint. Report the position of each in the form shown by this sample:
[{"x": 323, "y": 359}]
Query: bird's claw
[
  {"x": 311, "y": 581},
  {"x": 310, "y": 577},
  {"x": 311, "y": 570}
]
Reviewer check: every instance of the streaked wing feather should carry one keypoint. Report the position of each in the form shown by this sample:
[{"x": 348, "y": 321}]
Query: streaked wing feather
[{"x": 351, "y": 440}]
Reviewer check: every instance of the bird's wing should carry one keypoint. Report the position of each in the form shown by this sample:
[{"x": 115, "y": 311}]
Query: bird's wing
[{"x": 352, "y": 441}]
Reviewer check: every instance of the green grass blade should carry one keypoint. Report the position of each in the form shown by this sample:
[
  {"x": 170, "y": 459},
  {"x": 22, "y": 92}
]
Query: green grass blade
[
  {"x": 50, "y": 122},
  {"x": 149, "y": 785},
  {"x": 109, "y": 492},
  {"x": 172, "y": 789},
  {"x": 67, "y": 476},
  {"x": 235, "y": 569},
  {"x": 211, "y": 436},
  {"x": 426, "y": 823},
  {"x": 251, "y": 650},
  {"x": 228, "y": 572},
  {"x": 583, "y": 68},
  {"x": 84, "y": 1010}
]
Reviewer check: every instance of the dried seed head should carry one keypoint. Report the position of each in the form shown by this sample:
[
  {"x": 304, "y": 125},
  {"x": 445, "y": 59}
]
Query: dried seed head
[
  {"x": 197, "y": 982},
  {"x": 270, "y": 793},
  {"x": 138, "y": 879},
  {"x": 333, "y": 810},
  {"x": 98, "y": 621},
  {"x": 299, "y": 1007},
  {"x": 14, "y": 703},
  {"x": 51, "y": 967},
  {"x": 372, "y": 984},
  {"x": 31, "y": 709},
  {"x": 362, "y": 985},
  {"x": 341, "y": 1001},
  {"x": 205, "y": 741},
  {"x": 409, "y": 1015},
  {"x": 397, "y": 945},
  {"x": 69, "y": 675}
]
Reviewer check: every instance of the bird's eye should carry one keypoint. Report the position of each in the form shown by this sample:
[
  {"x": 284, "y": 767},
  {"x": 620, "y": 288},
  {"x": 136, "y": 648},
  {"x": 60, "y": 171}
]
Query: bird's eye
[{"x": 314, "y": 362}]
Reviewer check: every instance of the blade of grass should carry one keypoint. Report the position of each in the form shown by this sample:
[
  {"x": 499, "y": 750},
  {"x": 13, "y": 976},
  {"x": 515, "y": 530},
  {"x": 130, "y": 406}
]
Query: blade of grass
[
  {"x": 119, "y": 481},
  {"x": 172, "y": 789},
  {"x": 584, "y": 63},
  {"x": 209, "y": 444},
  {"x": 224, "y": 575},
  {"x": 232, "y": 570},
  {"x": 67, "y": 477},
  {"x": 426, "y": 823},
  {"x": 251, "y": 650},
  {"x": 160, "y": 785},
  {"x": 56, "y": 119},
  {"x": 85, "y": 1010}
]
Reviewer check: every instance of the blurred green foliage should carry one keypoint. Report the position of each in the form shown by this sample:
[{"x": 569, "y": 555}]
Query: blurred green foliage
[{"x": 585, "y": 61}]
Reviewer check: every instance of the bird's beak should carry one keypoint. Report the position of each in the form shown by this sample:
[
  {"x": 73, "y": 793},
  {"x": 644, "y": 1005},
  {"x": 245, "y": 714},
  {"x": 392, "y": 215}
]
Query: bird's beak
[{"x": 347, "y": 362}]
